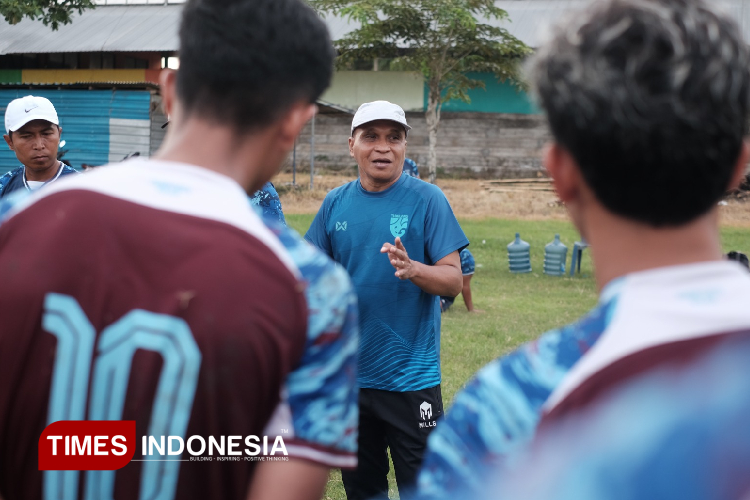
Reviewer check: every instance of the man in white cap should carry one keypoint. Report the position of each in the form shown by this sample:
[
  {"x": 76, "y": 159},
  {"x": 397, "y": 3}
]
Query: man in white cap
[
  {"x": 411, "y": 222},
  {"x": 33, "y": 133}
]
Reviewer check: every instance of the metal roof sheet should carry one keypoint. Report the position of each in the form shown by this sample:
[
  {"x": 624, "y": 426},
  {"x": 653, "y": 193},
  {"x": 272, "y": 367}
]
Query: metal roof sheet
[
  {"x": 131, "y": 28},
  {"x": 530, "y": 19},
  {"x": 142, "y": 28}
]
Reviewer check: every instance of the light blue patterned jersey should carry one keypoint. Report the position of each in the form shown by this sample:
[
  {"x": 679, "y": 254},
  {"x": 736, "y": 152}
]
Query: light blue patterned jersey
[
  {"x": 497, "y": 413},
  {"x": 467, "y": 262},
  {"x": 410, "y": 168},
  {"x": 267, "y": 198},
  {"x": 671, "y": 434},
  {"x": 7, "y": 203},
  {"x": 320, "y": 396}
]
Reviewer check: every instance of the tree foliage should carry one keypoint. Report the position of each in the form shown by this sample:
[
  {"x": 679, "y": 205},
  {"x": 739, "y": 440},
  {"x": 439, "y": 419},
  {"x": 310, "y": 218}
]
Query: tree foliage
[
  {"x": 51, "y": 12},
  {"x": 445, "y": 40}
]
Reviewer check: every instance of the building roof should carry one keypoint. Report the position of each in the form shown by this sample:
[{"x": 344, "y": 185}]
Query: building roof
[
  {"x": 144, "y": 28},
  {"x": 131, "y": 28},
  {"x": 529, "y": 19}
]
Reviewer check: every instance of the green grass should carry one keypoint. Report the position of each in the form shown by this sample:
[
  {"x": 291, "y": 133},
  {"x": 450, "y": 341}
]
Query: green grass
[{"x": 518, "y": 307}]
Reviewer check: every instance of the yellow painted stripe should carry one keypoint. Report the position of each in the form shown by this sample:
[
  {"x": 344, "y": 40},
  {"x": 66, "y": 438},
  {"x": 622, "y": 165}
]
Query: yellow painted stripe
[{"x": 83, "y": 75}]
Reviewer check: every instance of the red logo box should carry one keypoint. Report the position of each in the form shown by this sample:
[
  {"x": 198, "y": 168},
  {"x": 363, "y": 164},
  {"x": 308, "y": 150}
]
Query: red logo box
[{"x": 87, "y": 445}]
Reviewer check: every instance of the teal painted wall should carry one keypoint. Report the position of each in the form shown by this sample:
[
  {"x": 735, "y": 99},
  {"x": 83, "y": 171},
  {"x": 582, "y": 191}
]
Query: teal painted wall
[{"x": 496, "y": 98}]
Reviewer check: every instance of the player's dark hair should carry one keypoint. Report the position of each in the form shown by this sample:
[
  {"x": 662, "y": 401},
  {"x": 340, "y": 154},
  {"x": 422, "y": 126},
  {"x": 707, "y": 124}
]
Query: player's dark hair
[
  {"x": 651, "y": 98},
  {"x": 245, "y": 62}
]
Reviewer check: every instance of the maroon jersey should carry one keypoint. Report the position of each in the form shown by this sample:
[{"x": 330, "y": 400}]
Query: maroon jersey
[
  {"x": 663, "y": 318},
  {"x": 151, "y": 292}
]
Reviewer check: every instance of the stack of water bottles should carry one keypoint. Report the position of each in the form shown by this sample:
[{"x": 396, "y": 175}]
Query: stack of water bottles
[{"x": 519, "y": 256}]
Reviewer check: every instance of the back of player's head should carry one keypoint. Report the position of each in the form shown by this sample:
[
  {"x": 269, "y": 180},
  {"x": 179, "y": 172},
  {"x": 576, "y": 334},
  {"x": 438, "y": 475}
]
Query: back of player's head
[
  {"x": 651, "y": 99},
  {"x": 245, "y": 62}
]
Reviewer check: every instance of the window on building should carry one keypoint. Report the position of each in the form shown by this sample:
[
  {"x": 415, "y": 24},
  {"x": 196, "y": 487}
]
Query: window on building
[
  {"x": 171, "y": 62},
  {"x": 70, "y": 61}
]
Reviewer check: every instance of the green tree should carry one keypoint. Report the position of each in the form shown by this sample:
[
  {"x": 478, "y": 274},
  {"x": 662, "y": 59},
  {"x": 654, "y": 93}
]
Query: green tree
[
  {"x": 442, "y": 39},
  {"x": 51, "y": 12}
]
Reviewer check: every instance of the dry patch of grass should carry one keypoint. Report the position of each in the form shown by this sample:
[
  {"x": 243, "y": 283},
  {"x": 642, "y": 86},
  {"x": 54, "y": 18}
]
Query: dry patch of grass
[
  {"x": 735, "y": 213},
  {"x": 468, "y": 198},
  {"x": 300, "y": 199}
]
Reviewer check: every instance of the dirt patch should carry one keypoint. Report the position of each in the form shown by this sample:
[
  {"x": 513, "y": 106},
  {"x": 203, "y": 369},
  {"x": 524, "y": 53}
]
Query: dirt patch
[{"x": 469, "y": 199}]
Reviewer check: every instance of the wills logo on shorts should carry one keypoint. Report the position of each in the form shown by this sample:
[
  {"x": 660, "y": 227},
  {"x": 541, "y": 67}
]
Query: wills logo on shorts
[
  {"x": 425, "y": 410},
  {"x": 341, "y": 226},
  {"x": 399, "y": 224}
]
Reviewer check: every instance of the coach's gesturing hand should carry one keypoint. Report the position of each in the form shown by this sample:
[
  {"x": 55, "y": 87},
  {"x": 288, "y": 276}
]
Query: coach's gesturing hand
[
  {"x": 399, "y": 259},
  {"x": 442, "y": 278}
]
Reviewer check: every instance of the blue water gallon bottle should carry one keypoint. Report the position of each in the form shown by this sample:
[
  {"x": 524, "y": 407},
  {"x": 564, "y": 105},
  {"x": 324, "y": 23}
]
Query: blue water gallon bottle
[
  {"x": 519, "y": 256},
  {"x": 555, "y": 254}
]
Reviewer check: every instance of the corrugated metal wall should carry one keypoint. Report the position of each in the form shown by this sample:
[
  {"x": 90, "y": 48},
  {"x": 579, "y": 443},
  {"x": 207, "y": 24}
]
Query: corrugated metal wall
[{"x": 99, "y": 126}]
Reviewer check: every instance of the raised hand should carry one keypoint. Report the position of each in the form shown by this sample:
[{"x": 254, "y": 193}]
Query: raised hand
[{"x": 399, "y": 258}]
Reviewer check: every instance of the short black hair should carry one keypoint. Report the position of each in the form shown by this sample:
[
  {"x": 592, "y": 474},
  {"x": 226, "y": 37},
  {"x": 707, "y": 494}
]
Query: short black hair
[
  {"x": 244, "y": 62},
  {"x": 651, "y": 99}
]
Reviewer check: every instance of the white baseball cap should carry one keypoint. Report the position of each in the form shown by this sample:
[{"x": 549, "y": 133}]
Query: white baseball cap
[
  {"x": 379, "y": 110},
  {"x": 25, "y": 109}
]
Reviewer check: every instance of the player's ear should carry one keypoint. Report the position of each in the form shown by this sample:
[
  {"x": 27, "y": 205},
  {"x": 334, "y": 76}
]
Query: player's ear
[
  {"x": 351, "y": 146},
  {"x": 168, "y": 86},
  {"x": 566, "y": 176},
  {"x": 9, "y": 141}
]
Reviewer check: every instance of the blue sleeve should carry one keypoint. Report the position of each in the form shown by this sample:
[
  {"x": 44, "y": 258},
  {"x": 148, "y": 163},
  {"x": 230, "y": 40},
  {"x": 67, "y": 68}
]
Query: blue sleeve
[
  {"x": 267, "y": 198},
  {"x": 491, "y": 418},
  {"x": 6, "y": 178},
  {"x": 495, "y": 416},
  {"x": 468, "y": 265},
  {"x": 319, "y": 401},
  {"x": 317, "y": 235},
  {"x": 443, "y": 234}
]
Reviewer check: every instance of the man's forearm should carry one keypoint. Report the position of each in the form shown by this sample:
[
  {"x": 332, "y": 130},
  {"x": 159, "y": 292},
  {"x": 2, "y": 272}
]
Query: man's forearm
[
  {"x": 466, "y": 293},
  {"x": 443, "y": 280}
]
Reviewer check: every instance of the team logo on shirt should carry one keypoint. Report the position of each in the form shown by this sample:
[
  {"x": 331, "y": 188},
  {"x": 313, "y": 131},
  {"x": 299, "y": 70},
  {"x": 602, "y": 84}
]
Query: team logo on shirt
[
  {"x": 341, "y": 226},
  {"x": 399, "y": 224}
]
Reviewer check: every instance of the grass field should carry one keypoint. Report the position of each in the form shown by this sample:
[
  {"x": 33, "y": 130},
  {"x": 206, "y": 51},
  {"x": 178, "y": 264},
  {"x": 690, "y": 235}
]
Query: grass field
[{"x": 517, "y": 308}]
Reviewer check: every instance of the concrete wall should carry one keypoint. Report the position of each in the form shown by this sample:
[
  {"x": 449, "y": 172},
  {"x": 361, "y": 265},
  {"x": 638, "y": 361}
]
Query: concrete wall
[{"x": 484, "y": 144}]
